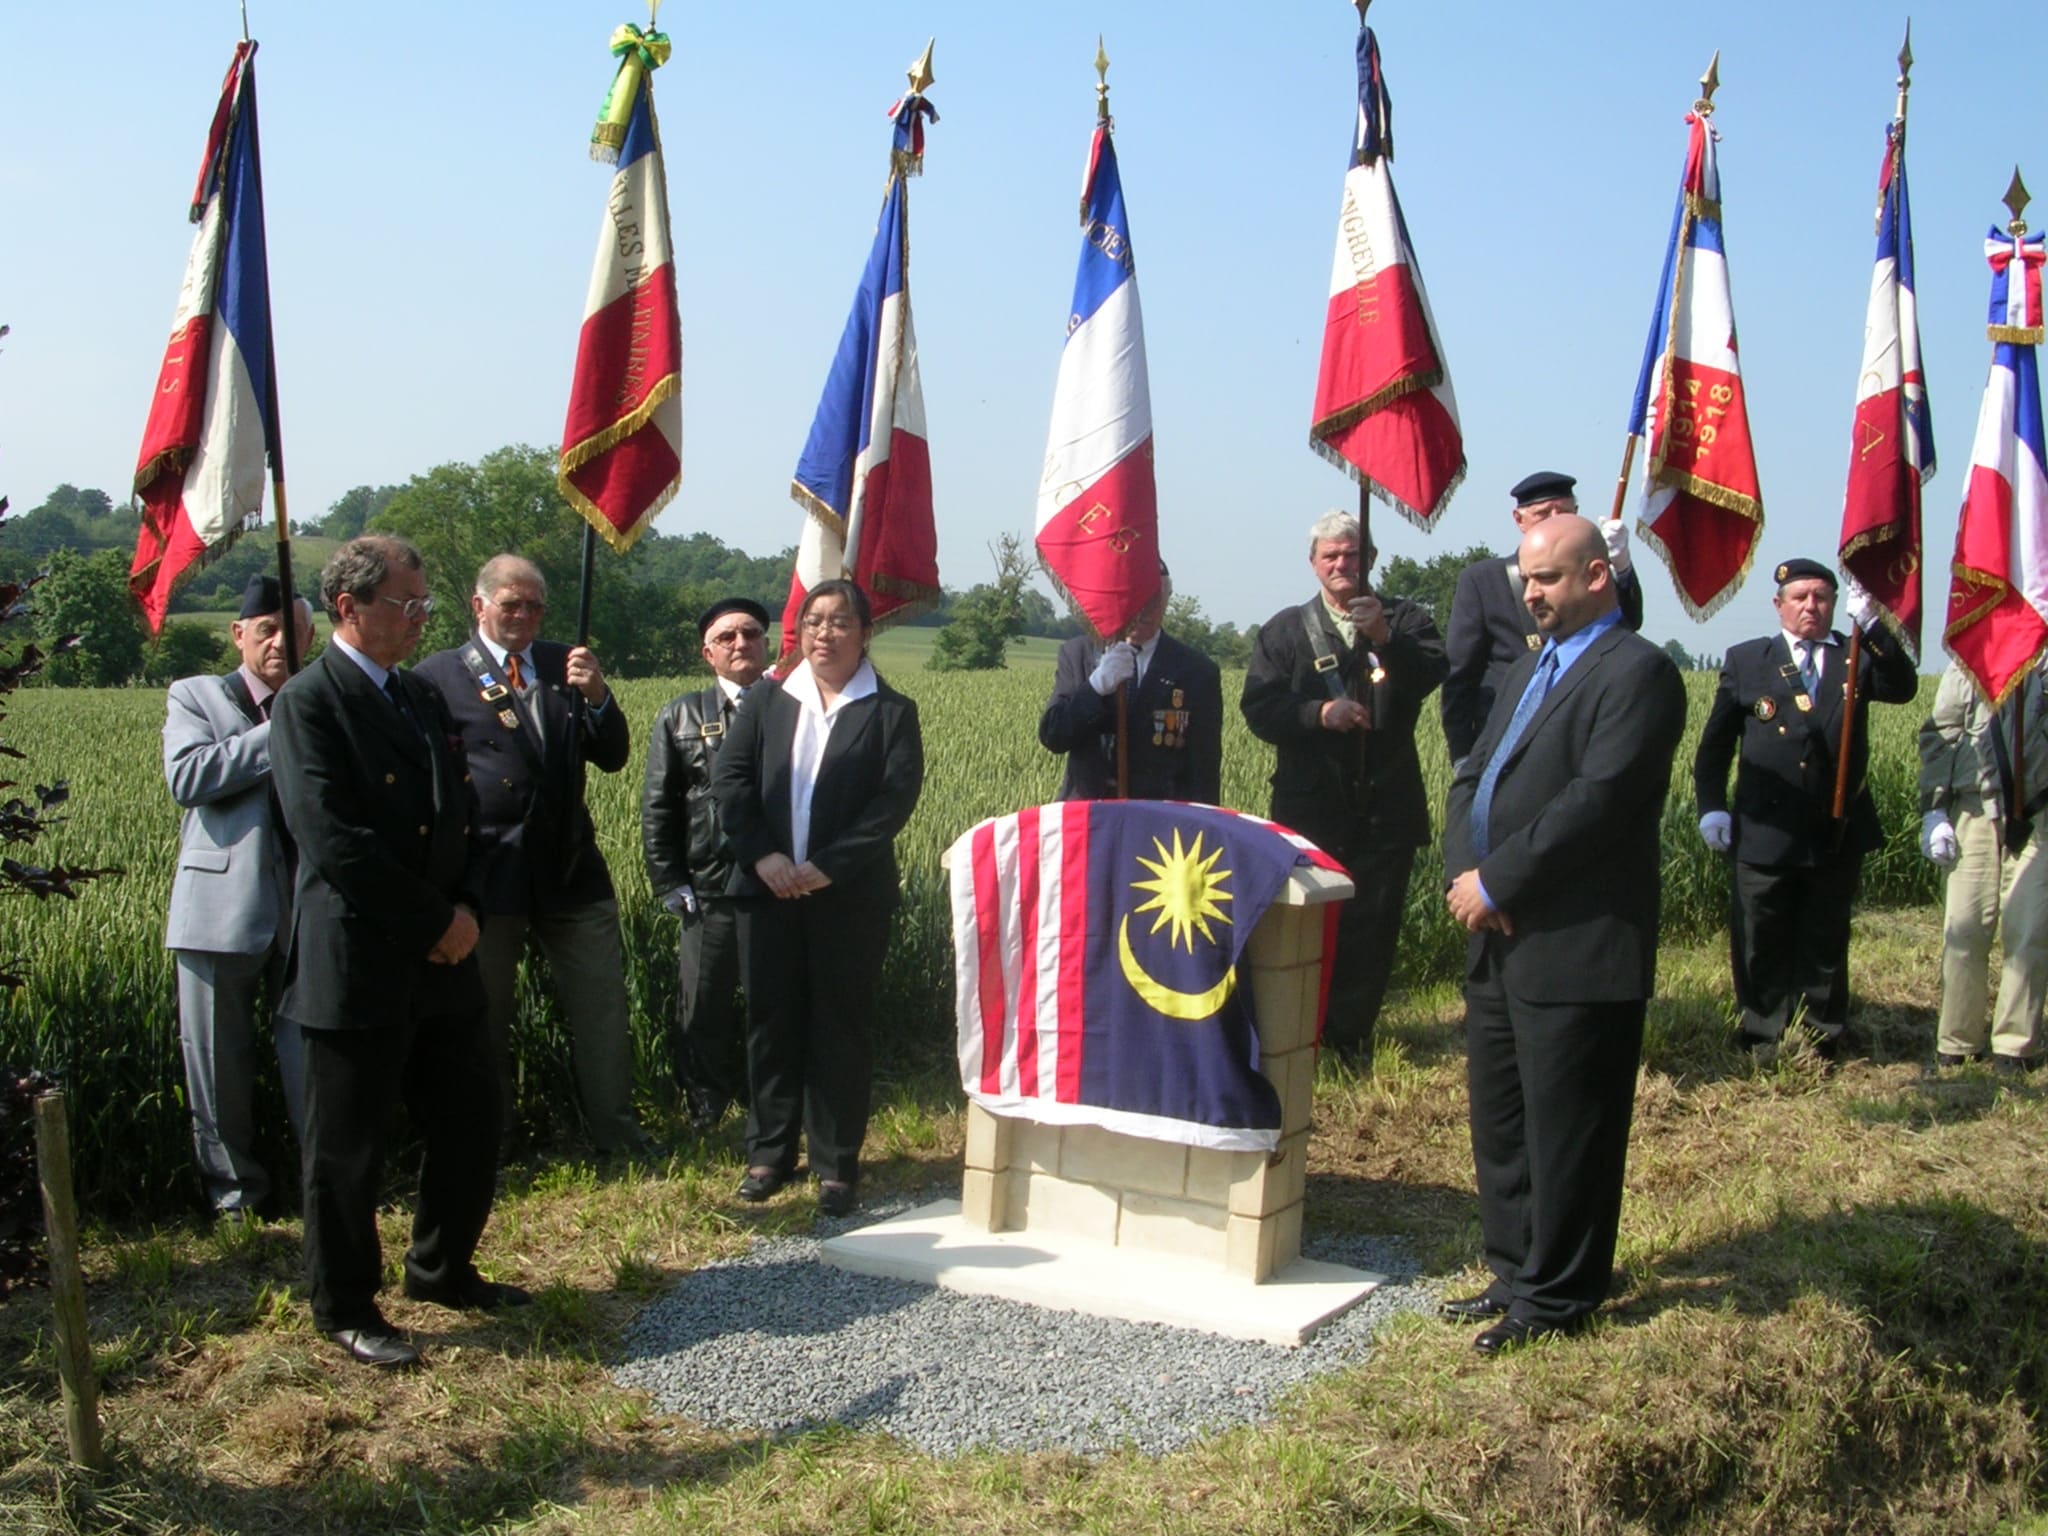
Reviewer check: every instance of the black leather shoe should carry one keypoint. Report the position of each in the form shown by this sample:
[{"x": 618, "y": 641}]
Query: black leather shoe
[
  {"x": 835, "y": 1198},
  {"x": 2012, "y": 1066},
  {"x": 760, "y": 1183},
  {"x": 472, "y": 1293},
  {"x": 1476, "y": 1309},
  {"x": 706, "y": 1108},
  {"x": 378, "y": 1346},
  {"x": 1514, "y": 1332}
]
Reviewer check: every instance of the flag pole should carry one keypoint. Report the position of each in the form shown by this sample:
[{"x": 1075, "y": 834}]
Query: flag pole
[
  {"x": 1364, "y": 495},
  {"x": 2016, "y": 199},
  {"x": 1848, "y": 742},
  {"x": 1123, "y": 689}
]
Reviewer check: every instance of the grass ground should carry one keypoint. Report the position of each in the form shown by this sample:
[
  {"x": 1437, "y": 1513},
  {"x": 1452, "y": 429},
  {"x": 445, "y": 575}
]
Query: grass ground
[{"x": 1829, "y": 1319}]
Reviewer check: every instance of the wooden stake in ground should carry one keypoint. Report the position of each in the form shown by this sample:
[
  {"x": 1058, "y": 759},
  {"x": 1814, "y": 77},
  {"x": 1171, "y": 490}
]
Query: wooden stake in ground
[{"x": 67, "y": 1284}]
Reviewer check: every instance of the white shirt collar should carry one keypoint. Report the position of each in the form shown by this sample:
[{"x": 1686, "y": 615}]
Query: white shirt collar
[
  {"x": 376, "y": 672},
  {"x": 498, "y": 653},
  {"x": 259, "y": 690},
  {"x": 803, "y": 687}
]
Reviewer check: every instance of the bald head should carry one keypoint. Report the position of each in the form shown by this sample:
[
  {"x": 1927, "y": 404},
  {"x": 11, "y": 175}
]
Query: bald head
[{"x": 1566, "y": 580}]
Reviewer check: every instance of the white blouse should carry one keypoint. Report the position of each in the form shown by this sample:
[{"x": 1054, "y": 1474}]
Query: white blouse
[{"x": 814, "y": 721}]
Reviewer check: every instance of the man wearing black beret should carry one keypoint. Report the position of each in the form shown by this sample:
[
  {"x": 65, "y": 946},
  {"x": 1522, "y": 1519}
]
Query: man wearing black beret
[
  {"x": 1795, "y": 868},
  {"x": 689, "y": 861},
  {"x": 1490, "y": 628}
]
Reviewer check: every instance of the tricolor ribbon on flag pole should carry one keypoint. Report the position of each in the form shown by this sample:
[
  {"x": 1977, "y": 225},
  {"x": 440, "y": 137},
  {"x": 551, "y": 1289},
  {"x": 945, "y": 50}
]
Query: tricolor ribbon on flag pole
[
  {"x": 1998, "y": 585},
  {"x": 1384, "y": 410},
  {"x": 1699, "y": 504},
  {"x": 1098, "y": 504},
  {"x": 1891, "y": 454},
  {"x": 864, "y": 478},
  {"x": 622, "y": 441},
  {"x": 213, "y": 422}
]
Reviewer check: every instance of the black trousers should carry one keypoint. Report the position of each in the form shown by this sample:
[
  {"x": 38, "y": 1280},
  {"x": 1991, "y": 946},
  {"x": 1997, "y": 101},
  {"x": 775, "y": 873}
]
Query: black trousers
[
  {"x": 709, "y": 1047},
  {"x": 440, "y": 1066},
  {"x": 1788, "y": 932},
  {"x": 1553, "y": 1091},
  {"x": 1368, "y": 931},
  {"x": 813, "y": 966}
]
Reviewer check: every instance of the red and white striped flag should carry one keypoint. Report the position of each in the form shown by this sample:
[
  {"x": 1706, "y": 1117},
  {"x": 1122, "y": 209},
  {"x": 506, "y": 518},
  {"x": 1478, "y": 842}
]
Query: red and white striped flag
[
  {"x": 622, "y": 443},
  {"x": 1384, "y": 411},
  {"x": 213, "y": 420}
]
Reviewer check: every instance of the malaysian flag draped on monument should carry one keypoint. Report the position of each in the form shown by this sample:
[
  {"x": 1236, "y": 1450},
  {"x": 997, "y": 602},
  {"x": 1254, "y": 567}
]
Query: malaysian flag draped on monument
[
  {"x": 1892, "y": 453},
  {"x": 1699, "y": 504},
  {"x": 213, "y": 420},
  {"x": 622, "y": 442},
  {"x": 1384, "y": 412},
  {"x": 1096, "y": 954},
  {"x": 1998, "y": 586},
  {"x": 1098, "y": 506},
  {"x": 864, "y": 478}
]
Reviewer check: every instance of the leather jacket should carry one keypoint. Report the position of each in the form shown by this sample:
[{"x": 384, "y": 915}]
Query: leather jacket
[{"x": 680, "y": 835}]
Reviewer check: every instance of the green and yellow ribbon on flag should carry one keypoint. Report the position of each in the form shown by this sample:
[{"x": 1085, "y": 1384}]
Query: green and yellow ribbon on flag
[{"x": 639, "y": 54}]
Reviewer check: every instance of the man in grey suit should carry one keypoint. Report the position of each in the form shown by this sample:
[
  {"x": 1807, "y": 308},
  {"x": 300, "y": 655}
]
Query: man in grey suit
[
  {"x": 230, "y": 913},
  {"x": 1553, "y": 864}
]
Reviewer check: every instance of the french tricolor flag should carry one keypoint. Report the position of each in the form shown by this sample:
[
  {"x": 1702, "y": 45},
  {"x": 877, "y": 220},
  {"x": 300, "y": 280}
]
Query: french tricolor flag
[
  {"x": 213, "y": 421},
  {"x": 1892, "y": 454},
  {"x": 1098, "y": 507},
  {"x": 1384, "y": 411},
  {"x": 1700, "y": 506},
  {"x": 622, "y": 444},
  {"x": 1998, "y": 586},
  {"x": 865, "y": 475}
]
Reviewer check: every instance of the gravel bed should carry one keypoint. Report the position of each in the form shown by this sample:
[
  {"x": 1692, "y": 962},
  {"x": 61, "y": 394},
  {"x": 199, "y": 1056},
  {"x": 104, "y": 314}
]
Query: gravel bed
[{"x": 778, "y": 1342}]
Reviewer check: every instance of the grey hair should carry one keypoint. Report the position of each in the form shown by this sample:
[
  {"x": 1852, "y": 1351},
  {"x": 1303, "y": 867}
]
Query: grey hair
[
  {"x": 502, "y": 570},
  {"x": 361, "y": 566},
  {"x": 1341, "y": 527}
]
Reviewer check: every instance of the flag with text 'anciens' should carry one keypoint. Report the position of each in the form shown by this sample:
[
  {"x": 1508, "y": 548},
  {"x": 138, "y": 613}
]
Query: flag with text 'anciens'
[
  {"x": 1998, "y": 585},
  {"x": 864, "y": 478},
  {"x": 1892, "y": 453},
  {"x": 1384, "y": 411},
  {"x": 1098, "y": 503},
  {"x": 1097, "y": 947},
  {"x": 213, "y": 420},
  {"x": 1699, "y": 505},
  {"x": 622, "y": 443}
]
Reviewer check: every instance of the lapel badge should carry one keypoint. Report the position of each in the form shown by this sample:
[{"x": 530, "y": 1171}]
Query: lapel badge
[
  {"x": 1766, "y": 708},
  {"x": 1179, "y": 698},
  {"x": 1803, "y": 701},
  {"x": 1535, "y": 642},
  {"x": 508, "y": 719}
]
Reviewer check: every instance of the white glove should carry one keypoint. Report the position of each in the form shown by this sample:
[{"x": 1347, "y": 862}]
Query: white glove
[
  {"x": 1615, "y": 531},
  {"x": 1119, "y": 664},
  {"x": 1862, "y": 606},
  {"x": 1938, "y": 839},
  {"x": 681, "y": 902},
  {"x": 1717, "y": 831}
]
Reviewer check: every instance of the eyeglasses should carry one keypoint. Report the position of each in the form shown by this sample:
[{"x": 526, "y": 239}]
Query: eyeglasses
[
  {"x": 836, "y": 624},
  {"x": 728, "y": 638},
  {"x": 519, "y": 605},
  {"x": 414, "y": 608}
]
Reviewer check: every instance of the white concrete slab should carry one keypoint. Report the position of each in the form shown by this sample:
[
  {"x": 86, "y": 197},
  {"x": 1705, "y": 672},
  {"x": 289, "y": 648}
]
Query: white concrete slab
[{"x": 933, "y": 1245}]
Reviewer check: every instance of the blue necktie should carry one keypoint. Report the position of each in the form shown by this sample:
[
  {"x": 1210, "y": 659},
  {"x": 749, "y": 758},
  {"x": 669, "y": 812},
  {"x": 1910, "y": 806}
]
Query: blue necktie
[
  {"x": 1809, "y": 668},
  {"x": 1532, "y": 700}
]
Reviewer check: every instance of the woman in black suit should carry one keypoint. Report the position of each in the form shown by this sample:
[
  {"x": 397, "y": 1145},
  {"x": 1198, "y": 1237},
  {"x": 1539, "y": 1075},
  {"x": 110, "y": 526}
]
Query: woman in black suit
[{"x": 819, "y": 774}]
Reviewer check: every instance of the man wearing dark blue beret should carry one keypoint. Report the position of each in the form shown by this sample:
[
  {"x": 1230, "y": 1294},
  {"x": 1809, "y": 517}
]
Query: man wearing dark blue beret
[{"x": 1794, "y": 866}]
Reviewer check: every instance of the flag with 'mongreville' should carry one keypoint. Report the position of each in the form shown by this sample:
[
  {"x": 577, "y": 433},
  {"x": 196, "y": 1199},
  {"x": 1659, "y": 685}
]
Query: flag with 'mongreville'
[
  {"x": 1384, "y": 411},
  {"x": 622, "y": 440},
  {"x": 1892, "y": 454},
  {"x": 1096, "y": 954},
  {"x": 1699, "y": 505},
  {"x": 1998, "y": 585},
  {"x": 213, "y": 420},
  {"x": 1098, "y": 502}
]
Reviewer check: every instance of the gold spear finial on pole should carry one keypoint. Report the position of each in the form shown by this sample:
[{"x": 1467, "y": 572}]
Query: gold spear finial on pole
[
  {"x": 1710, "y": 82},
  {"x": 1101, "y": 81},
  {"x": 1363, "y": 7},
  {"x": 921, "y": 76},
  {"x": 2017, "y": 198},
  {"x": 1905, "y": 71}
]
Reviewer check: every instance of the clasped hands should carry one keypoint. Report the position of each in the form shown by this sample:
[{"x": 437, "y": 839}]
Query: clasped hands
[
  {"x": 786, "y": 879},
  {"x": 453, "y": 947},
  {"x": 1468, "y": 906}
]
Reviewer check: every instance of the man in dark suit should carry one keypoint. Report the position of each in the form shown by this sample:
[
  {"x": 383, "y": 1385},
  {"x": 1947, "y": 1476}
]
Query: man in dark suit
[
  {"x": 1175, "y": 745},
  {"x": 1490, "y": 628},
  {"x": 1795, "y": 867},
  {"x": 532, "y": 713},
  {"x": 381, "y": 979},
  {"x": 1552, "y": 854},
  {"x": 231, "y": 900},
  {"x": 1337, "y": 686},
  {"x": 689, "y": 861}
]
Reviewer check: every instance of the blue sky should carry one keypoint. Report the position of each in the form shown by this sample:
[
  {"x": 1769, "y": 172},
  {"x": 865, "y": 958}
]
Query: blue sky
[{"x": 433, "y": 213}]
